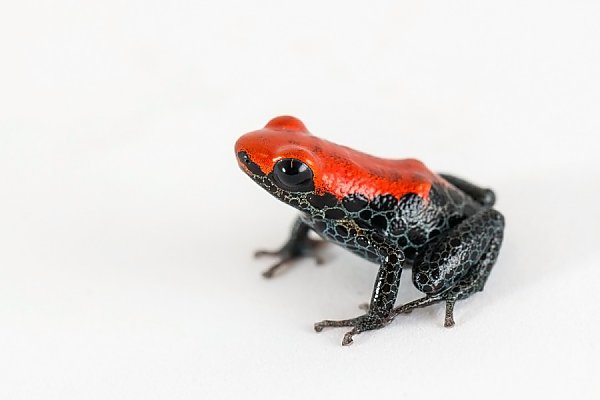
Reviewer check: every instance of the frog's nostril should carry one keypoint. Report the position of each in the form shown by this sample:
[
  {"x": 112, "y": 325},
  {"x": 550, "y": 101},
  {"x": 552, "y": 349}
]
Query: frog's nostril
[
  {"x": 244, "y": 157},
  {"x": 250, "y": 165}
]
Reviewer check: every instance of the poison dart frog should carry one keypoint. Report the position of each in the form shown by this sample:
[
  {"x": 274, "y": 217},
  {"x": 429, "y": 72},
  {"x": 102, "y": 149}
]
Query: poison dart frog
[{"x": 396, "y": 213}]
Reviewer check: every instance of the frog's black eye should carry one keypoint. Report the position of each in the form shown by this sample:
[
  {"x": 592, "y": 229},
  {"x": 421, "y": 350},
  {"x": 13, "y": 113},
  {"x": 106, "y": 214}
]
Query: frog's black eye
[{"x": 293, "y": 175}]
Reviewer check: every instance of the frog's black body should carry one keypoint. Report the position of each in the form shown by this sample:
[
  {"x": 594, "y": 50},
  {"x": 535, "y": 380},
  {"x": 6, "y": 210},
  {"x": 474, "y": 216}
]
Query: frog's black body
[
  {"x": 410, "y": 223},
  {"x": 450, "y": 235}
]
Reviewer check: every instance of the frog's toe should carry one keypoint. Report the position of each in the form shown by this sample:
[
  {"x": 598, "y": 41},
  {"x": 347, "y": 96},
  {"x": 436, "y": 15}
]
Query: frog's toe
[
  {"x": 329, "y": 323},
  {"x": 347, "y": 340},
  {"x": 262, "y": 253},
  {"x": 285, "y": 257},
  {"x": 288, "y": 254},
  {"x": 360, "y": 324},
  {"x": 449, "y": 317},
  {"x": 319, "y": 260},
  {"x": 269, "y": 273}
]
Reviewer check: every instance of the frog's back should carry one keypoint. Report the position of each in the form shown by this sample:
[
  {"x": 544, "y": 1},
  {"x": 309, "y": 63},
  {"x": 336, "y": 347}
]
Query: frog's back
[{"x": 357, "y": 172}]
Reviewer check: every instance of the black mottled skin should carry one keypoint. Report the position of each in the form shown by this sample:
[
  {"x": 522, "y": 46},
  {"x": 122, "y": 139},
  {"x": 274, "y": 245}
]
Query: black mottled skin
[{"x": 451, "y": 241}]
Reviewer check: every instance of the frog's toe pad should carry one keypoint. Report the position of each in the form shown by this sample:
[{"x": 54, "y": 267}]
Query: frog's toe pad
[{"x": 347, "y": 340}]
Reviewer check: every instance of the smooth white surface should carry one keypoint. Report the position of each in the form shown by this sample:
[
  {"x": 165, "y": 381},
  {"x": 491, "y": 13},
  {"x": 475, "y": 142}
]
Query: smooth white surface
[{"x": 126, "y": 228}]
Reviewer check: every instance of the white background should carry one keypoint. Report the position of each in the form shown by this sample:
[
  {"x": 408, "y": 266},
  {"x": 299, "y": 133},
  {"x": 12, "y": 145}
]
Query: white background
[{"x": 126, "y": 228}]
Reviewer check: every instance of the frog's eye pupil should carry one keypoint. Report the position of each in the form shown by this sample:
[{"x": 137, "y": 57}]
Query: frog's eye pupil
[{"x": 294, "y": 175}]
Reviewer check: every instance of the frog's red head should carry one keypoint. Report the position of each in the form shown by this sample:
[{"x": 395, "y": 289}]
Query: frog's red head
[
  {"x": 288, "y": 156},
  {"x": 285, "y": 151}
]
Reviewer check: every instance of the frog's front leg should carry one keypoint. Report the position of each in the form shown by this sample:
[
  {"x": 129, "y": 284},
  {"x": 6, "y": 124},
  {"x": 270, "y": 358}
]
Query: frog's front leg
[
  {"x": 381, "y": 308},
  {"x": 298, "y": 245}
]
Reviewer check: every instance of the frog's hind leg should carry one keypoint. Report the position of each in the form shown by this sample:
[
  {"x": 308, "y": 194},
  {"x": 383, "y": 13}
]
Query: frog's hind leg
[
  {"x": 458, "y": 264},
  {"x": 483, "y": 196}
]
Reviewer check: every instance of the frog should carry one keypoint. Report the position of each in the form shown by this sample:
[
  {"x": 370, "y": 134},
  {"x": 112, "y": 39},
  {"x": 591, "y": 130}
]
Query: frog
[{"x": 395, "y": 213}]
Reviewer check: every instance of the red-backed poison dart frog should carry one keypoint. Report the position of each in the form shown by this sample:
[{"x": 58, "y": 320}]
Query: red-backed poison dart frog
[{"x": 396, "y": 213}]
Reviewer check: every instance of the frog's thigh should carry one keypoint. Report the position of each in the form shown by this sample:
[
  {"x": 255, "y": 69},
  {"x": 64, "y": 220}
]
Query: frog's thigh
[
  {"x": 483, "y": 196},
  {"x": 460, "y": 260}
]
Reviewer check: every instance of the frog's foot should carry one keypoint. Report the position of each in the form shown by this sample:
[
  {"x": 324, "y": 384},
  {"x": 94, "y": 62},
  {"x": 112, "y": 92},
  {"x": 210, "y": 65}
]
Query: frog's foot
[
  {"x": 360, "y": 324},
  {"x": 427, "y": 301},
  {"x": 288, "y": 254}
]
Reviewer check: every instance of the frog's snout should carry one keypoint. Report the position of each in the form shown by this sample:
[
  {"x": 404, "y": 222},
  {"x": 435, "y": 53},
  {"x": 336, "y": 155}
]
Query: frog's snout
[{"x": 247, "y": 165}]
